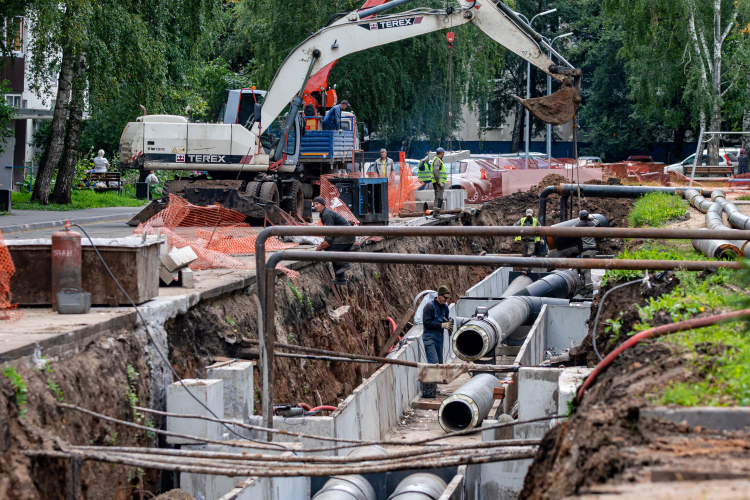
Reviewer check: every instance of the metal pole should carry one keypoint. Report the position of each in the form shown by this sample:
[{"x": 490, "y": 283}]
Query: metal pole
[
  {"x": 528, "y": 125},
  {"x": 698, "y": 153}
]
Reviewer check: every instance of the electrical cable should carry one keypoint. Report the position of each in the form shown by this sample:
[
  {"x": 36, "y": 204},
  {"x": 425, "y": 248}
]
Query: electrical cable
[
  {"x": 601, "y": 302},
  {"x": 153, "y": 341}
]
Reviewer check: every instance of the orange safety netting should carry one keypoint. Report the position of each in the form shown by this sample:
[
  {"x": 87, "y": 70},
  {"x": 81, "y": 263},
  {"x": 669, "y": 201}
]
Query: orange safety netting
[
  {"x": 331, "y": 194},
  {"x": 401, "y": 189},
  {"x": 213, "y": 232},
  {"x": 8, "y": 311}
]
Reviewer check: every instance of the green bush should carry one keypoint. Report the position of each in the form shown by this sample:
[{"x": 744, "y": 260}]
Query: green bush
[{"x": 654, "y": 209}]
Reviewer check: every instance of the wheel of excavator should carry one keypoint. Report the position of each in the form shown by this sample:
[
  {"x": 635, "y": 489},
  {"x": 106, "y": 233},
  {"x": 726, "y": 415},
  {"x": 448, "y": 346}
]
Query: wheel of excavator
[
  {"x": 253, "y": 188},
  {"x": 269, "y": 192},
  {"x": 295, "y": 204}
]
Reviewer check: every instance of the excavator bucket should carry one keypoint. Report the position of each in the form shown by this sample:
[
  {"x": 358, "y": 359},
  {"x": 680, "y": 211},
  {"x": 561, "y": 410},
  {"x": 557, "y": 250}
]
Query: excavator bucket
[{"x": 557, "y": 108}]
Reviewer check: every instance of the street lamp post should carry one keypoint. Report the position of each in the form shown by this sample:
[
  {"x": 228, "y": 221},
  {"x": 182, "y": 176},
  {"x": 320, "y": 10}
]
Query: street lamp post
[
  {"x": 528, "y": 90},
  {"x": 549, "y": 91}
]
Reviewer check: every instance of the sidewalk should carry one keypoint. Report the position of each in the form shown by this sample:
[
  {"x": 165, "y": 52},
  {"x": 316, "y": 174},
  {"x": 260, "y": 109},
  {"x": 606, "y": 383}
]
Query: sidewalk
[{"x": 33, "y": 220}]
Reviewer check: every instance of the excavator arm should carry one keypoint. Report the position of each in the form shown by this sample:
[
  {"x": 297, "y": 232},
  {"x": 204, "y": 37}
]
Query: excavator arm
[{"x": 358, "y": 31}]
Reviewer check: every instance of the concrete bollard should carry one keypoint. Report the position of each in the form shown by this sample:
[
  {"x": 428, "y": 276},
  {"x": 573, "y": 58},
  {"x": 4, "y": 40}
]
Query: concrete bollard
[{"x": 208, "y": 392}]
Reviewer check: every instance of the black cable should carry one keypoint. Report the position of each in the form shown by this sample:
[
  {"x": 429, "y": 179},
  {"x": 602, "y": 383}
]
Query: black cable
[
  {"x": 156, "y": 347},
  {"x": 599, "y": 309}
]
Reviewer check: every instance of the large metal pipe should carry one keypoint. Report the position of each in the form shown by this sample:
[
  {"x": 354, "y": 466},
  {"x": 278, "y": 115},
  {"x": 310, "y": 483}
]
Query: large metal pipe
[
  {"x": 480, "y": 335},
  {"x": 420, "y": 486},
  {"x": 561, "y": 243},
  {"x": 354, "y": 487},
  {"x": 266, "y": 277},
  {"x": 516, "y": 285},
  {"x": 599, "y": 191},
  {"x": 714, "y": 209},
  {"x": 469, "y": 405},
  {"x": 559, "y": 284},
  {"x": 717, "y": 249}
]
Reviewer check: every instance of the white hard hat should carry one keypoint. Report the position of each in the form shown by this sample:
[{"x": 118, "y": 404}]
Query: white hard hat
[{"x": 529, "y": 212}]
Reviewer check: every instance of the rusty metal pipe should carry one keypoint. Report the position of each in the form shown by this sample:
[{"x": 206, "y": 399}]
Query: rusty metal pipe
[{"x": 599, "y": 191}]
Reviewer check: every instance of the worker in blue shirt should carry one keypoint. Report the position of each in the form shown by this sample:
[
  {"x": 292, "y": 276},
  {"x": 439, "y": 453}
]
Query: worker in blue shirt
[
  {"x": 435, "y": 319},
  {"x": 332, "y": 121}
]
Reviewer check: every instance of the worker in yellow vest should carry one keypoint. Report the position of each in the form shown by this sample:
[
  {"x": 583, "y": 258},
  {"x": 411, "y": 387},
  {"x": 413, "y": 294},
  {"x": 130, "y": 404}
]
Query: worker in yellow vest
[
  {"x": 439, "y": 178},
  {"x": 528, "y": 243}
]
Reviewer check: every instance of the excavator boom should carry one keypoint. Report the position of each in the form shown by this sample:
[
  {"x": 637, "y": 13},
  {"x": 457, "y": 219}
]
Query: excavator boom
[{"x": 352, "y": 34}]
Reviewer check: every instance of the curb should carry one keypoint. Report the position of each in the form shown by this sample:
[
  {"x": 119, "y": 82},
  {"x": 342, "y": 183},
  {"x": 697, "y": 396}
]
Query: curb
[{"x": 61, "y": 223}]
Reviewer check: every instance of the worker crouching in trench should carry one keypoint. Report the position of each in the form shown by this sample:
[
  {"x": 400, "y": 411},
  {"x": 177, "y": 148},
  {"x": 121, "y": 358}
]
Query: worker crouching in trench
[
  {"x": 334, "y": 243},
  {"x": 435, "y": 319}
]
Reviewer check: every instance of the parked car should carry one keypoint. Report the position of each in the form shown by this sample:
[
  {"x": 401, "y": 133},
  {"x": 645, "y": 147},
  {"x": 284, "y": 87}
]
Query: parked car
[
  {"x": 589, "y": 159},
  {"x": 727, "y": 158}
]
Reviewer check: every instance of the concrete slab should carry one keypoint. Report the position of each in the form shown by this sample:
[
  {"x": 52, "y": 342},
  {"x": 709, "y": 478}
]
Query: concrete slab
[
  {"x": 538, "y": 392},
  {"x": 724, "y": 419},
  {"x": 238, "y": 388}
]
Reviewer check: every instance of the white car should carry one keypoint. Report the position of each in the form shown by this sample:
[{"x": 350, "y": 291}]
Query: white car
[{"x": 727, "y": 158}]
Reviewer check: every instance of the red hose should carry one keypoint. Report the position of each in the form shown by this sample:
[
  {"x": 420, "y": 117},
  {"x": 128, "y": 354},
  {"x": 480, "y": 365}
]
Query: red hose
[
  {"x": 304, "y": 406},
  {"x": 393, "y": 324},
  {"x": 658, "y": 332},
  {"x": 324, "y": 408}
]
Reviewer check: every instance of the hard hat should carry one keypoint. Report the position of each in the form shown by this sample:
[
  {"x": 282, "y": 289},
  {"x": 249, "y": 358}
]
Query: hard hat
[
  {"x": 529, "y": 212},
  {"x": 583, "y": 215},
  {"x": 440, "y": 150}
]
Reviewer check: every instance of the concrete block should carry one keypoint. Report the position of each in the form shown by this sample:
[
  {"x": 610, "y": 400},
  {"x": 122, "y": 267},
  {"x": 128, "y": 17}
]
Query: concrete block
[
  {"x": 503, "y": 480},
  {"x": 187, "y": 278},
  {"x": 570, "y": 380},
  {"x": 534, "y": 430},
  {"x": 538, "y": 392},
  {"x": 567, "y": 326},
  {"x": 724, "y": 419},
  {"x": 178, "y": 258},
  {"x": 238, "y": 388},
  {"x": 210, "y": 393},
  {"x": 347, "y": 424},
  {"x": 368, "y": 409},
  {"x": 207, "y": 487},
  {"x": 166, "y": 276}
]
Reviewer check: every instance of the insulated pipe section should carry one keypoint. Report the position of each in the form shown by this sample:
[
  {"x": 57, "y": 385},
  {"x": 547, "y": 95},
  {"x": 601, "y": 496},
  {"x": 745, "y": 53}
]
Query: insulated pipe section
[
  {"x": 516, "y": 285},
  {"x": 559, "y": 285},
  {"x": 481, "y": 335},
  {"x": 598, "y": 191},
  {"x": 559, "y": 243},
  {"x": 353, "y": 487},
  {"x": 469, "y": 405},
  {"x": 717, "y": 249},
  {"x": 420, "y": 486}
]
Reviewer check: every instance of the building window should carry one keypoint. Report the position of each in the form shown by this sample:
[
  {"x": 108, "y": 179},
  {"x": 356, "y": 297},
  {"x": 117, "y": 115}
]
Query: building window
[
  {"x": 24, "y": 104},
  {"x": 14, "y": 34},
  {"x": 13, "y": 100}
]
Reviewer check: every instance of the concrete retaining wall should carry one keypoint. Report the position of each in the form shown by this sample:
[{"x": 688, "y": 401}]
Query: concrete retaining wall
[{"x": 491, "y": 286}]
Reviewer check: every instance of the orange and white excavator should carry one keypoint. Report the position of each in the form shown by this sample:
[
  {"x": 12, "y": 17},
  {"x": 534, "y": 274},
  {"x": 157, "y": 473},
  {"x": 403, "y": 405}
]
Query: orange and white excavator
[{"x": 273, "y": 161}]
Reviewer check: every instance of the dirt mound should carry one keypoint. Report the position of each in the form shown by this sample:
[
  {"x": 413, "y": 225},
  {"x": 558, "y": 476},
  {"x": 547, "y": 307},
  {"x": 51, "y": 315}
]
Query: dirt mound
[
  {"x": 596, "y": 182},
  {"x": 177, "y": 494},
  {"x": 551, "y": 180},
  {"x": 507, "y": 210},
  {"x": 621, "y": 305}
]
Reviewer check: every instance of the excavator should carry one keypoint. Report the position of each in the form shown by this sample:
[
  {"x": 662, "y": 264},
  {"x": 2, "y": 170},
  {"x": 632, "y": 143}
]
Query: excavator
[{"x": 260, "y": 162}]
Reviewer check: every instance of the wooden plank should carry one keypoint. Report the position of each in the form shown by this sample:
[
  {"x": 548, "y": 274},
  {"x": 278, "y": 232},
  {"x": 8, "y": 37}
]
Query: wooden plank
[
  {"x": 399, "y": 327},
  {"x": 427, "y": 404},
  {"x": 498, "y": 392}
]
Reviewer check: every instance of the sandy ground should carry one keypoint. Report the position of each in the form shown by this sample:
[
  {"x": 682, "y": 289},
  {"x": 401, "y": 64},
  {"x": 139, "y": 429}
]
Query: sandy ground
[{"x": 697, "y": 219}]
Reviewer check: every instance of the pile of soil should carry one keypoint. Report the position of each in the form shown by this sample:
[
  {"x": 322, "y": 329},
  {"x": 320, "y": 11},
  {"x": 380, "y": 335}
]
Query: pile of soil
[
  {"x": 507, "y": 210},
  {"x": 621, "y": 305},
  {"x": 606, "y": 440}
]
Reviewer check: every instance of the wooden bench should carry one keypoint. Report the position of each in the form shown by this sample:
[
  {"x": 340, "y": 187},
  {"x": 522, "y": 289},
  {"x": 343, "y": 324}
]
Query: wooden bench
[
  {"x": 710, "y": 171},
  {"x": 93, "y": 178}
]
